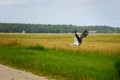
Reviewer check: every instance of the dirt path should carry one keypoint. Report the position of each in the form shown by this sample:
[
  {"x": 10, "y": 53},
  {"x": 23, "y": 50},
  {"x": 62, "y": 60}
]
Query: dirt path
[{"x": 7, "y": 73}]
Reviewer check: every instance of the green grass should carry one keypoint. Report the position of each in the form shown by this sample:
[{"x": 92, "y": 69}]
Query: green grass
[
  {"x": 117, "y": 67},
  {"x": 58, "y": 63}
]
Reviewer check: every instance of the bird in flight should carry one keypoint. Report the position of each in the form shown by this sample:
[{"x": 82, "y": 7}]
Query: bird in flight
[{"x": 78, "y": 39}]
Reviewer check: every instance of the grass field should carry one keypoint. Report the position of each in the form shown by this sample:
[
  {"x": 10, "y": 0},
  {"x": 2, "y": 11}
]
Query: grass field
[{"x": 50, "y": 55}]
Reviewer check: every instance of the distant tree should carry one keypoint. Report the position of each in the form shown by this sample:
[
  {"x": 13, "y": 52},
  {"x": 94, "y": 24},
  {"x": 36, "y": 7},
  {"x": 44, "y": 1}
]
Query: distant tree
[{"x": 48, "y": 28}]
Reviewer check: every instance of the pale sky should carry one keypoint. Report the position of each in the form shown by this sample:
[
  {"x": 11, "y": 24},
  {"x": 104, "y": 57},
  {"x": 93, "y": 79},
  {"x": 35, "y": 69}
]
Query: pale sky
[{"x": 75, "y": 12}]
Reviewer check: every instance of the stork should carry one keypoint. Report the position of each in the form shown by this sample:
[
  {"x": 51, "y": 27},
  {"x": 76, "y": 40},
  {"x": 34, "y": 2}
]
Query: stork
[{"x": 78, "y": 39}]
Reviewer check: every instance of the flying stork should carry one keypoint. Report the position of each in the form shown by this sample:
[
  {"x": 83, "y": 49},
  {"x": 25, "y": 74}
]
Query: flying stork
[{"x": 78, "y": 39}]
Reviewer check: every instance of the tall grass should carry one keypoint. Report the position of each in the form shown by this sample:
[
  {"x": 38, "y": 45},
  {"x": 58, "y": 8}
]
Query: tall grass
[
  {"x": 50, "y": 55},
  {"x": 59, "y": 64},
  {"x": 100, "y": 43}
]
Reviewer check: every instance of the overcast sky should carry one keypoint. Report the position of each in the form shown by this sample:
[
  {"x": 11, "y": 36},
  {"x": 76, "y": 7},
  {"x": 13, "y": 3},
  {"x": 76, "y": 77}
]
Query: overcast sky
[{"x": 75, "y": 12}]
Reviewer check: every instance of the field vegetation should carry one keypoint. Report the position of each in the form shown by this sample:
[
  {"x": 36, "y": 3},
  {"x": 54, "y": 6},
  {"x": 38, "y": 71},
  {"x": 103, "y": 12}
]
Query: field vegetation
[
  {"x": 100, "y": 43},
  {"x": 98, "y": 58}
]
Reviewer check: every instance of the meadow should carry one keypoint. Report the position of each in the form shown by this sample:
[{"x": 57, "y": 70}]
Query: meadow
[{"x": 50, "y": 55}]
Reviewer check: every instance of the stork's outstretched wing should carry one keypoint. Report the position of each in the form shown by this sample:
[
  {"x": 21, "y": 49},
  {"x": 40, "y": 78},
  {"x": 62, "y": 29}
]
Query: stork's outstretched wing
[{"x": 84, "y": 34}]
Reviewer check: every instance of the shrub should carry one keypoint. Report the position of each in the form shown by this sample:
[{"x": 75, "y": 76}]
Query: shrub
[
  {"x": 117, "y": 67},
  {"x": 38, "y": 47}
]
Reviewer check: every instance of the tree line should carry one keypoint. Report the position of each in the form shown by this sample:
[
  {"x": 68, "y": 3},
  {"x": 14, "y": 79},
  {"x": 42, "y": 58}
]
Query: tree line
[{"x": 49, "y": 28}]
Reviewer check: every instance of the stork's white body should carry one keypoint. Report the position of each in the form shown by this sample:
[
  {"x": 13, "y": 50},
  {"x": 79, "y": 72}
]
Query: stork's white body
[{"x": 76, "y": 42}]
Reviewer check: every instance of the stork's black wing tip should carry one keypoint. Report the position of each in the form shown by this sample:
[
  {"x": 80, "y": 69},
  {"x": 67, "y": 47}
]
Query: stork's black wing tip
[
  {"x": 75, "y": 31},
  {"x": 85, "y": 33}
]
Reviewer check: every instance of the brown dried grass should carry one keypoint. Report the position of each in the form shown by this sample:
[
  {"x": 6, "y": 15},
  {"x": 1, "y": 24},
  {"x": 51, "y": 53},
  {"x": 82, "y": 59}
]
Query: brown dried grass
[{"x": 99, "y": 43}]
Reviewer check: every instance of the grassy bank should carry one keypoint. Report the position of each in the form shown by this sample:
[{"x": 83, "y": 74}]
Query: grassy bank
[{"x": 59, "y": 64}]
